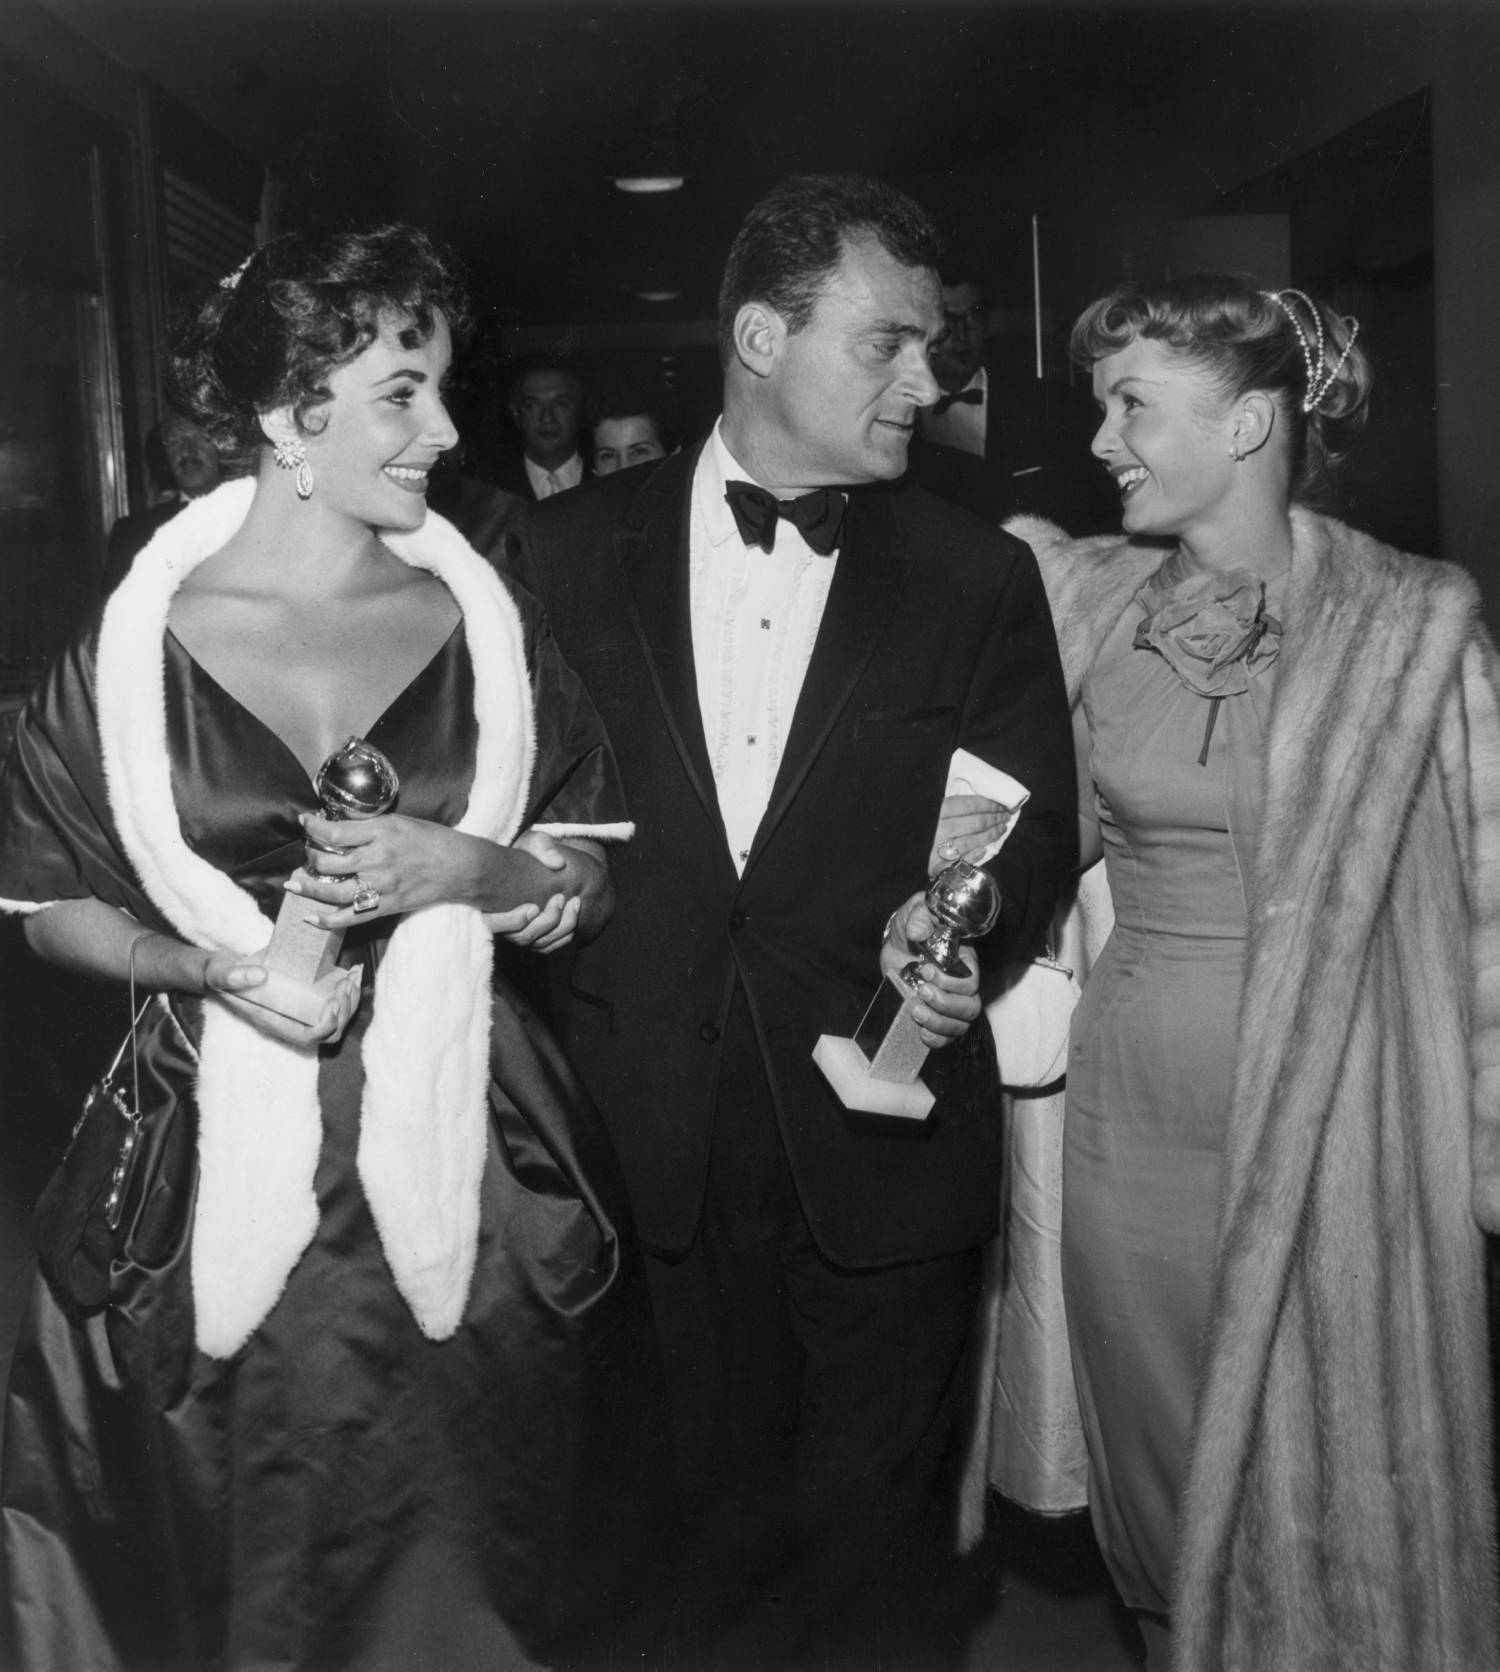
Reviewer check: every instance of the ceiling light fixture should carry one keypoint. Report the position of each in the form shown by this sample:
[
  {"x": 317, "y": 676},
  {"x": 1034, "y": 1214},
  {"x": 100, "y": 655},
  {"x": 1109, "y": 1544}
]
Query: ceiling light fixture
[
  {"x": 658, "y": 295},
  {"x": 641, "y": 184}
]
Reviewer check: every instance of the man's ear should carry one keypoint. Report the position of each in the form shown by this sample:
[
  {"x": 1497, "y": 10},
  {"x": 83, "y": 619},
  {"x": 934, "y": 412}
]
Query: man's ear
[
  {"x": 279, "y": 423},
  {"x": 759, "y": 336},
  {"x": 1254, "y": 422}
]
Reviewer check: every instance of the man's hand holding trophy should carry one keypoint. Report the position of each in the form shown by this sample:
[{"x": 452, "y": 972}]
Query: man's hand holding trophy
[{"x": 878, "y": 1070}]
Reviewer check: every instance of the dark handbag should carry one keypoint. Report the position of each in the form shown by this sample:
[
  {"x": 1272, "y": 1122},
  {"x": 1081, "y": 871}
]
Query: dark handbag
[{"x": 77, "y": 1227}]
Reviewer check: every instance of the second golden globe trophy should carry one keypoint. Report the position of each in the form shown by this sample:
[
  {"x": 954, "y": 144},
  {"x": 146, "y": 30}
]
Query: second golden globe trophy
[
  {"x": 355, "y": 782},
  {"x": 877, "y": 1070}
]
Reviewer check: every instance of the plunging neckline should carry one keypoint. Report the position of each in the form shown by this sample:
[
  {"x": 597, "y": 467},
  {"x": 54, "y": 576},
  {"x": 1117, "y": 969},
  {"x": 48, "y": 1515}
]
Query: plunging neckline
[{"x": 265, "y": 727}]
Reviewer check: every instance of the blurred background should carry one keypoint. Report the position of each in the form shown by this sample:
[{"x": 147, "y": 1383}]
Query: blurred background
[{"x": 146, "y": 146}]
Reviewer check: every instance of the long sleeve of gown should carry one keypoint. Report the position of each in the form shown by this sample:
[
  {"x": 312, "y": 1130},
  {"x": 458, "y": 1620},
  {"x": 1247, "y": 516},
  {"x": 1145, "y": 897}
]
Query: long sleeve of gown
[
  {"x": 575, "y": 784},
  {"x": 57, "y": 836}
]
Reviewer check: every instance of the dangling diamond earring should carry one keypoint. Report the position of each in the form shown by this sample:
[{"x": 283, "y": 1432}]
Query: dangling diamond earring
[{"x": 292, "y": 455}]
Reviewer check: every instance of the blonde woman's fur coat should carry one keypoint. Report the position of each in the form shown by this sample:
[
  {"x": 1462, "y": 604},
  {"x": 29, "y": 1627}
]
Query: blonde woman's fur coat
[{"x": 1339, "y": 1509}]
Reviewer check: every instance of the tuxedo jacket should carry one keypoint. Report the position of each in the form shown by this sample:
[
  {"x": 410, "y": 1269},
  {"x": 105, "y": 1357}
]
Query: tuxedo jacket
[{"x": 936, "y": 636}]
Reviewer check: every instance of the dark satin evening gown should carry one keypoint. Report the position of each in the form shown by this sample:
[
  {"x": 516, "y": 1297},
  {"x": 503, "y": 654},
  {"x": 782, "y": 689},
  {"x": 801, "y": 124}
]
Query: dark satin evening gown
[{"x": 343, "y": 1492}]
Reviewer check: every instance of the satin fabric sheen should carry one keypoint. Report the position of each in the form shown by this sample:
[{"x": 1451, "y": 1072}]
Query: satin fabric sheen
[{"x": 343, "y": 1493}]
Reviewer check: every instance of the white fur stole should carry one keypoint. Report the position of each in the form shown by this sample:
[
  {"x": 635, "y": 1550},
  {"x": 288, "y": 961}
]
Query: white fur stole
[{"x": 426, "y": 1052}]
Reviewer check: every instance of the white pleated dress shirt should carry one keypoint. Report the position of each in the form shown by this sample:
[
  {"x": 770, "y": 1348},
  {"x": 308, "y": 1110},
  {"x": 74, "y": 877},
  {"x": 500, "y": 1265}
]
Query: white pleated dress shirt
[{"x": 755, "y": 619}]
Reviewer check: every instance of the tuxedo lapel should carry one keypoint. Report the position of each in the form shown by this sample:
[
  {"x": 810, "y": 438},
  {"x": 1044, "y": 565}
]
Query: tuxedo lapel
[
  {"x": 873, "y": 566},
  {"x": 652, "y": 550}
]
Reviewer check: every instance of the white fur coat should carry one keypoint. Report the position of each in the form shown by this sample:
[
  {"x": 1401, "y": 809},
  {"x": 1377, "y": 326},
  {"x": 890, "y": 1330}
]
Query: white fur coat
[{"x": 1339, "y": 1509}]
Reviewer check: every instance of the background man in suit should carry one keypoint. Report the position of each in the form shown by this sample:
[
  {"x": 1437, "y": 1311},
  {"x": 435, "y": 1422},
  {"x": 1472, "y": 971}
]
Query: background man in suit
[
  {"x": 184, "y": 463},
  {"x": 546, "y": 404},
  {"x": 784, "y": 693}
]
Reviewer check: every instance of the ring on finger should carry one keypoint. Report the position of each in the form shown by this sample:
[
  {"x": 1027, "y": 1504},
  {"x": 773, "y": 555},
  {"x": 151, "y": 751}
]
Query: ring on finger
[{"x": 365, "y": 898}]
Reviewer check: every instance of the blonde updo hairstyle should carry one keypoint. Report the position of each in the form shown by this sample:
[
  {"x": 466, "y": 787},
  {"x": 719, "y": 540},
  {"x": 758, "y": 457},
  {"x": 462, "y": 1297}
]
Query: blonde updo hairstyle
[
  {"x": 269, "y": 334},
  {"x": 1246, "y": 338}
]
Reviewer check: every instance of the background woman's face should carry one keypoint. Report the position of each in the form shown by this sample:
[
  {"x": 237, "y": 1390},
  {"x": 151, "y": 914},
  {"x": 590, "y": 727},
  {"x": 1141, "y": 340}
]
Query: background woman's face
[
  {"x": 384, "y": 427},
  {"x": 622, "y": 442},
  {"x": 1165, "y": 437}
]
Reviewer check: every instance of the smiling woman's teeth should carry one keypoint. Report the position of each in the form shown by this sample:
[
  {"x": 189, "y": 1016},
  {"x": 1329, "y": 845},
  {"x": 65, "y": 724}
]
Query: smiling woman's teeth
[
  {"x": 1129, "y": 480},
  {"x": 406, "y": 473}
]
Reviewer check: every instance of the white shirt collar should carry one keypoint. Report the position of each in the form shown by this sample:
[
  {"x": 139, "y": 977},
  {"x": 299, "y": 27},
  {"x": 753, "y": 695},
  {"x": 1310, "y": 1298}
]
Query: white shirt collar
[
  {"x": 717, "y": 467},
  {"x": 569, "y": 474}
]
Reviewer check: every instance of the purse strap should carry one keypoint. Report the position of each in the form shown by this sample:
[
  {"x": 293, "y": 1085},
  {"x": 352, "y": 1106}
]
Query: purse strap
[{"x": 137, "y": 1015}]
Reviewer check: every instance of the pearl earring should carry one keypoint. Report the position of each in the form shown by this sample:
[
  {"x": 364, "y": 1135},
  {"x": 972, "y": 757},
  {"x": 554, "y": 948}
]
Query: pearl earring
[{"x": 292, "y": 455}]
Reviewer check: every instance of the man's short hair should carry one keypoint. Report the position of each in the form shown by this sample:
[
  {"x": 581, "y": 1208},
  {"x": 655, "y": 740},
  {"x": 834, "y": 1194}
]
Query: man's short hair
[
  {"x": 793, "y": 240},
  {"x": 524, "y": 367},
  {"x": 959, "y": 268}
]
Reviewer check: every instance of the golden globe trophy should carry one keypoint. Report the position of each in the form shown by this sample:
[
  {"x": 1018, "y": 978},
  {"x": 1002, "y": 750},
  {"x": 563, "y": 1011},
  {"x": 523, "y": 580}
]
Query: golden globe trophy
[
  {"x": 877, "y": 1070},
  {"x": 355, "y": 782}
]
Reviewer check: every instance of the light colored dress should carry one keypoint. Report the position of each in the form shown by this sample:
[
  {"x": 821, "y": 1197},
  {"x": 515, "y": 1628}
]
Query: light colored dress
[{"x": 1149, "y": 1077}]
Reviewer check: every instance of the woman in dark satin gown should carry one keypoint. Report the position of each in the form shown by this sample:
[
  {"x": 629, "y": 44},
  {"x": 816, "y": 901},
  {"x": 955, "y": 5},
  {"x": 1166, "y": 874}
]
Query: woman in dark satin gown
[{"x": 375, "y": 1384}]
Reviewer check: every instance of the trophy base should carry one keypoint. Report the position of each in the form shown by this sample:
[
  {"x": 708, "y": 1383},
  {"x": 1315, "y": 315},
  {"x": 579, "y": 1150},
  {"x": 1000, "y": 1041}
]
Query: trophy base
[
  {"x": 847, "y": 1070},
  {"x": 288, "y": 997},
  {"x": 298, "y": 959},
  {"x": 877, "y": 1070}
]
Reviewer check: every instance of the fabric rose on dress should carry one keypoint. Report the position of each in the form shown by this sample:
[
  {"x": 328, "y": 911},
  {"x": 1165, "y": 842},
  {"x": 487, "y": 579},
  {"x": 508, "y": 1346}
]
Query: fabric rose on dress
[{"x": 1211, "y": 629}]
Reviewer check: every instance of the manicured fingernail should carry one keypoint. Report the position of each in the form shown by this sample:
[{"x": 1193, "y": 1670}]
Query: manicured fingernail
[
  {"x": 292, "y": 886},
  {"x": 313, "y": 918}
]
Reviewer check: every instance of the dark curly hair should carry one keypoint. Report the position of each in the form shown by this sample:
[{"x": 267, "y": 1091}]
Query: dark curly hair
[
  {"x": 793, "y": 239},
  {"x": 1245, "y": 338},
  {"x": 300, "y": 307}
]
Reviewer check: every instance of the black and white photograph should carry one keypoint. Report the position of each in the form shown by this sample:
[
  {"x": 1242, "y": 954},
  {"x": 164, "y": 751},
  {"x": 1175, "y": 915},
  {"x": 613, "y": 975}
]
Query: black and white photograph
[{"x": 749, "y": 835}]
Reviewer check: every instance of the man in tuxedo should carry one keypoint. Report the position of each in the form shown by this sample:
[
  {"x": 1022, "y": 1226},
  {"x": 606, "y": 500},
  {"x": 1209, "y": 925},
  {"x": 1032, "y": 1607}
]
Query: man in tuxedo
[
  {"x": 546, "y": 405},
  {"x": 1002, "y": 445},
  {"x": 787, "y": 645}
]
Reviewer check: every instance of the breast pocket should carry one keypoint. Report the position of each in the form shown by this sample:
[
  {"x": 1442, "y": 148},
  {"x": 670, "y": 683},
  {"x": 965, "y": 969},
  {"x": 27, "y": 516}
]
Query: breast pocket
[{"x": 890, "y": 723}]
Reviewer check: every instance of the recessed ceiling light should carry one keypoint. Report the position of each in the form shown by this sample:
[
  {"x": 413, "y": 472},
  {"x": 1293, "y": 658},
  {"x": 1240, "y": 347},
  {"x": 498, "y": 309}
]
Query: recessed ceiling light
[
  {"x": 641, "y": 183},
  {"x": 658, "y": 295}
]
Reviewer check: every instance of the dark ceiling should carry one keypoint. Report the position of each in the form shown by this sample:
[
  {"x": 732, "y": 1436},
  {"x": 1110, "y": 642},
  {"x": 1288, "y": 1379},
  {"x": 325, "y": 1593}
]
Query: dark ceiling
[{"x": 500, "y": 126}]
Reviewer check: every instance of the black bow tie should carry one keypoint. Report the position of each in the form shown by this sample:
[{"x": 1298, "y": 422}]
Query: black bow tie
[
  {"x": 818, "y": 516},
  {"x": 964, "y": 397}
]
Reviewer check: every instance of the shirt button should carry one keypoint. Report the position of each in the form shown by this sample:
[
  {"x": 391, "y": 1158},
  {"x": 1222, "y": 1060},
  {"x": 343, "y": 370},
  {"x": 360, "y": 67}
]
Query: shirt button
[
  {"x": 708, "y": 1033},
  {"x": 736, "y": 919}
]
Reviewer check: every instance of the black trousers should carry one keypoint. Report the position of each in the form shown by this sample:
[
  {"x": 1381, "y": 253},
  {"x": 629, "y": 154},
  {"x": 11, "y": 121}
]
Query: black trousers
[{"x": 818, "y": 1416}]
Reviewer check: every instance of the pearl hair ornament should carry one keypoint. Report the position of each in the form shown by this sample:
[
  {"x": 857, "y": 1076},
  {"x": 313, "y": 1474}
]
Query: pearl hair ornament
[
  {"x": 1320, "y": 374},
  {"x": 230, "y": 281}
]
